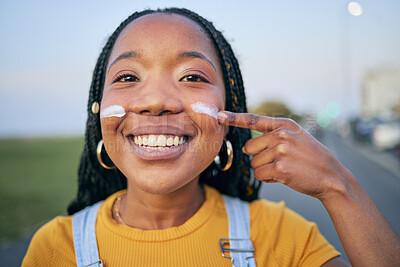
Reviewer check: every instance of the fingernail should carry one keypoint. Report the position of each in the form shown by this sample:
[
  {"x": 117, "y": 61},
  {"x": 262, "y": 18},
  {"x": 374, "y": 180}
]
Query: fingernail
[
  {"x": 222, "y": 116},
  {"x": 244, "y": 150}
]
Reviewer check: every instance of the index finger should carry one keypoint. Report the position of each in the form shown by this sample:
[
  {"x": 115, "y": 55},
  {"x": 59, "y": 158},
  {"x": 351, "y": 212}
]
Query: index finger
[{"x": 248, "y": 120}]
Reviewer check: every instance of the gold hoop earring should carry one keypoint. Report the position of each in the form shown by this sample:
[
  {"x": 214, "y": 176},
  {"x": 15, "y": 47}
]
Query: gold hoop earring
[
  {"x": 229, "y": 151},
  {"x": 98, "y": 152}
]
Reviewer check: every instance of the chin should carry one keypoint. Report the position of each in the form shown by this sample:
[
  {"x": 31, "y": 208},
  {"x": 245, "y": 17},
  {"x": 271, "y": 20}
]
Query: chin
[{"x": 161, "y": 184}]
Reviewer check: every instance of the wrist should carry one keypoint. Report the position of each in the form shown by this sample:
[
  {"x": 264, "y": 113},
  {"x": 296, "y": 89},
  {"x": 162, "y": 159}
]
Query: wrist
[{"x": 344, "y": 187}]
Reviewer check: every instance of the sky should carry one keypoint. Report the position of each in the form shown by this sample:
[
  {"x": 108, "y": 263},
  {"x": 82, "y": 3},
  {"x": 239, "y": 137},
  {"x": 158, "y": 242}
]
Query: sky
[{"x": 302, "y": 53}]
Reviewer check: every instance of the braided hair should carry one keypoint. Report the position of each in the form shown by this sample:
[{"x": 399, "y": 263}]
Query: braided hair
[{"x": 96, "y": 183}]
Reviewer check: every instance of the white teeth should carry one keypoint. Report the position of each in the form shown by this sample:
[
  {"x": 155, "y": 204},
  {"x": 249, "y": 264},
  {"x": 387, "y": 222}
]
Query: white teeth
[
  {"x": 158, "y": 141},
  {"x": 161, "y": 140},
  {"x": 152, "y": 140},
  {"x": 170, "y": 141},
  {"x": 144, "y": 140},
  {"x": 176, "y": 141}
]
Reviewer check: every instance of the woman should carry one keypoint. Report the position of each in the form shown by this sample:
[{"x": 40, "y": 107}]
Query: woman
[{"x": 165, "y": 90}]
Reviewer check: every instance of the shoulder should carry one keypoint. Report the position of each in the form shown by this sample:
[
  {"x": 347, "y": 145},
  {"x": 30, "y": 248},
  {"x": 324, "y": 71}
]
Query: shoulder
[
  {"x": 272, "y": 220},
  {"x": 291, "y": 239},
  {"x": 276, "y": 214},
  {"x": 50, "y": 233},
  {"x": 53, "y": 242}
]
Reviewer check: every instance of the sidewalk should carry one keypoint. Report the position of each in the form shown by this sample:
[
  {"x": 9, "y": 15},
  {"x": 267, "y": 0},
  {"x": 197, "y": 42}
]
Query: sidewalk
[{"x": 11, "y": 255}]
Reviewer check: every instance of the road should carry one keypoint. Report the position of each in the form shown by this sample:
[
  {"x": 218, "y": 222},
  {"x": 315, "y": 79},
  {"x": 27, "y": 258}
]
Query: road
[{"x": 382, "y": 185}]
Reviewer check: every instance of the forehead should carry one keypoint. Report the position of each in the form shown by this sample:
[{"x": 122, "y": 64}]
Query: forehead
[
  {"x": 165, "y": 21},
  {"x": 163, "y": 31}
]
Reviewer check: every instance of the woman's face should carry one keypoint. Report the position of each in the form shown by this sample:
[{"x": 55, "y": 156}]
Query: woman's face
[{"x": 160, "y": 65}]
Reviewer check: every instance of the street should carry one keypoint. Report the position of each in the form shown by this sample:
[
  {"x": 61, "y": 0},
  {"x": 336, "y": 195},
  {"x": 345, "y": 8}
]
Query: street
[{"x": 382, "y": 185}]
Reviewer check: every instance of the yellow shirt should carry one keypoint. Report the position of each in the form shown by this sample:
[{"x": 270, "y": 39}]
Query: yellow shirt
[{"x": 280, "y": 238}]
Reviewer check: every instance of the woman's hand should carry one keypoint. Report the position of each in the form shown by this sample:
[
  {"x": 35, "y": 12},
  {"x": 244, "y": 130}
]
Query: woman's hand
[{"x": 287, "y": 154}]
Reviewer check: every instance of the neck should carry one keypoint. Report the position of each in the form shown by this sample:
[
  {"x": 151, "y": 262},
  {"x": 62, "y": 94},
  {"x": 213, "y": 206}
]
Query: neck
[{"x": 148, "y": 211}]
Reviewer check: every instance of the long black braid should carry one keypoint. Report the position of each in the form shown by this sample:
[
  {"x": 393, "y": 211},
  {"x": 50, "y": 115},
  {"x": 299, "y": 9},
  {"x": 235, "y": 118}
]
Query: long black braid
[{"x": 96, "y": 183}]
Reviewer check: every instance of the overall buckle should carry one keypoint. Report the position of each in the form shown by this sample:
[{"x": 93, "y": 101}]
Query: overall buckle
[{"x": 247, "y": 247}]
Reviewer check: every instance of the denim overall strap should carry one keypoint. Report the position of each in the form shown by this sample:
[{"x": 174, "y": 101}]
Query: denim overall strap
[
  {"x": 240, "y": 246},
  {"x": 84, "y": 233}
]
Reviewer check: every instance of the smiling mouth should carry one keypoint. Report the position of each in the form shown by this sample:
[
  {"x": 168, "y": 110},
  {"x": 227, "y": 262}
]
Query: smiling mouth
[{"x": 158, "y": 147}]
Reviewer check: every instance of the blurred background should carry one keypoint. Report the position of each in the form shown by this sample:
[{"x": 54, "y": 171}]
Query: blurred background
[{"x": 333, "y": 66}]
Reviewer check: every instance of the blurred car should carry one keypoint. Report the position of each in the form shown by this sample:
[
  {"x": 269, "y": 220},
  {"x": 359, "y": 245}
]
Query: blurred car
[
  {"x": 363, "y": 129},
  {"x": 386, "y": 135}
]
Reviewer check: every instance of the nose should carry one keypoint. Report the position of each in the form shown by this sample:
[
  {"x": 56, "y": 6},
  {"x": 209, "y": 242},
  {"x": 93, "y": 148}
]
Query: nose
[{"x": 157, "y": 98}]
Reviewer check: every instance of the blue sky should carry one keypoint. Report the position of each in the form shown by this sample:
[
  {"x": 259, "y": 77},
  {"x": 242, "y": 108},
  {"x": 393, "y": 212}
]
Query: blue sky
[{"x": 304, "y": 53}]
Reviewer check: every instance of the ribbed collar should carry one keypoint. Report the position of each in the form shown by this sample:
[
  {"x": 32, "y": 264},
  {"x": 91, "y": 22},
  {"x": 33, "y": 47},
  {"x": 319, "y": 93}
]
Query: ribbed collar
[{"x": 194, "y": 223}]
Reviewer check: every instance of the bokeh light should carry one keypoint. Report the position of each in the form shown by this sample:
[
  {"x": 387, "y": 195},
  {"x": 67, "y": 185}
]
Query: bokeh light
[
  {"x": 355, "y": 9},
  {"x": 323, "y": 119},
  {"x": 333, "y": 109}
]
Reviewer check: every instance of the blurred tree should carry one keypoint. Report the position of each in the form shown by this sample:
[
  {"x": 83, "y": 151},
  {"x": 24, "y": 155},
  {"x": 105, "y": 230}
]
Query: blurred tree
[{"x": 275, "y": 109}]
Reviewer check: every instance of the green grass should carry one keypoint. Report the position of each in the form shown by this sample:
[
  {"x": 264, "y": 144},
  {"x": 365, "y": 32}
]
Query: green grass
[{"x": 38, "y": 179}]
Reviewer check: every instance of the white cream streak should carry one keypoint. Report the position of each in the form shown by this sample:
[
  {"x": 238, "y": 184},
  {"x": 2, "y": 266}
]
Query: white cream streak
[
  {"x": 112, "y": 111},
  {"x": 204, "y": 108}
]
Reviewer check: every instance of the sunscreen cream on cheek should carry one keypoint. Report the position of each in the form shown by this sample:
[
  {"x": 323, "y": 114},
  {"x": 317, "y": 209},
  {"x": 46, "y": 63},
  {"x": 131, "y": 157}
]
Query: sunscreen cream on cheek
[
  {"x": 112, "y": 111},
  {"x": 204, "y": 108}
]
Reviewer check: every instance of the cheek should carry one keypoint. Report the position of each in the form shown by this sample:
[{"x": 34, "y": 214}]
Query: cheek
[
  {"x": 112, "y": 147},
  {"x": 207, "y": 125},
  {"x": 113, "y": 108},
  {"x": 115, "y": 102},
  {"x": 204, "y": 114},
  {"x": 109, "y": 127},
  {"x": 202, "y": 110},
  {"x": 211, "y": 134},
  {"x": 111, "y": 97}
]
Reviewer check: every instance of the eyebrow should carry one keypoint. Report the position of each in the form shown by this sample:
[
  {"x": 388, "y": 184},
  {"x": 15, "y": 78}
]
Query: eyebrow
[
  {"x": 190, "y": 54},
  {"x": 193, "y": 54},
  {"x": 129, "y": 54}
]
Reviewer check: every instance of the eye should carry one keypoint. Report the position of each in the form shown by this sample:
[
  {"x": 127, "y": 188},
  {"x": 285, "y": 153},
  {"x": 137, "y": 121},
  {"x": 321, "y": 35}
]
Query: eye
[
  {"x": 194, "y": 78},
  {"x": 124, "y": 78}
]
